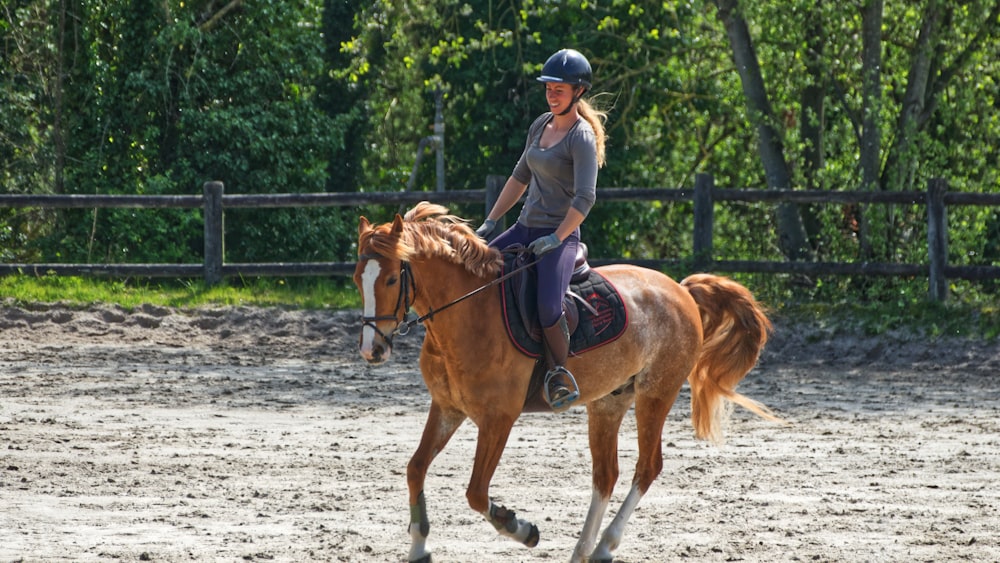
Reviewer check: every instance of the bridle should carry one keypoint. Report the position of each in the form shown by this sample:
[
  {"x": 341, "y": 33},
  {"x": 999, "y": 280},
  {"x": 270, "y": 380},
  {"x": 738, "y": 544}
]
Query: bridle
[
  {"x": 407, "y": 288},
  {"x": 404, "y": 300}
]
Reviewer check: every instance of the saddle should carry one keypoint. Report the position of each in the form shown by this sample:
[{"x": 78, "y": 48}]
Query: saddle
[{"x": 595, "y": 312}]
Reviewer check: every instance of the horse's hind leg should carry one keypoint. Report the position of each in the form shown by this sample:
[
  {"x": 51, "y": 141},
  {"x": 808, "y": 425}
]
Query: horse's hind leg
[
  {"x": 604, "y": 418},
  {"x": 439, "y": 428},
  {"x": 650, "y": 414}
]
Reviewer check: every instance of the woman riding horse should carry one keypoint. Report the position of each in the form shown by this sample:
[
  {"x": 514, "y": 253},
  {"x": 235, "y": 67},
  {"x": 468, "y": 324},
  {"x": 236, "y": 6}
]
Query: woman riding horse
[
  {"x": 558, "y": 168},
  {"x": 707, "y": 330}
]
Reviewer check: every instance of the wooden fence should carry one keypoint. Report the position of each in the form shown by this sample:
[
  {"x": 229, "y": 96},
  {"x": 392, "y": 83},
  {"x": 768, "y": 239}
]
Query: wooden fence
[{"x": 704, "y": 195}]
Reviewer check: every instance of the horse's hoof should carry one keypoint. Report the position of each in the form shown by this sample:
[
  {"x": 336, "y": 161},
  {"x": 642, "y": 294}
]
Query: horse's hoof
[
  {"x": 424, "y": 559},
  {"x": 533, "y": 537}
]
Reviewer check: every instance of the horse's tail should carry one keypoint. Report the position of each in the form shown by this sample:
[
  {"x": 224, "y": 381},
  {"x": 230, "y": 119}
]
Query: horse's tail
[{"x": 735, "y": 330}]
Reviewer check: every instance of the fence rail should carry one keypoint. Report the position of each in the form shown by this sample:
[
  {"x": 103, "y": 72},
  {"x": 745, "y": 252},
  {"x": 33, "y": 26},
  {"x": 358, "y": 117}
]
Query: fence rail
[{"x": 704, "y": 195}]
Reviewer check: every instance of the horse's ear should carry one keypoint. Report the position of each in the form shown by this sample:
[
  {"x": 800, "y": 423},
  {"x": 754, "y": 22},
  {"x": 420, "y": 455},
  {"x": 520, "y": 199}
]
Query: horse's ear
[
  {"x": 397, "y": 224},
  {"x": 363, "y": 224}
]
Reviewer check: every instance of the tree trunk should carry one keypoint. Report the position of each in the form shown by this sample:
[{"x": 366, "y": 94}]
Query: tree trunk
[
  {"x": 871, "y": 144},
  {"x": 871, "y": 61},
  {"x": 58, "y": 140},
  {"x": 812, "y": 121},
  {"x": 791, "y": 232},
  {"x": 898, "y": 173}
]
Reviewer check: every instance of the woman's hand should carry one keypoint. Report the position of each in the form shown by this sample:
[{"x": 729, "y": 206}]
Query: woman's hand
[
  {"x": 486, "y": 228},
  {"x": 544, "y": 244}
]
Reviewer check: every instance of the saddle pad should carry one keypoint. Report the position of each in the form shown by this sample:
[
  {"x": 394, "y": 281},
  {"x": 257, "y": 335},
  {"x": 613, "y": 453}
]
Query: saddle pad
[{"x": 592, "y": 331}]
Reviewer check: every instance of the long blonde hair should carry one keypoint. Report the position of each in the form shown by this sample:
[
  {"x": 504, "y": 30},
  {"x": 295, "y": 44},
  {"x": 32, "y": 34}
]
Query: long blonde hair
[{"x": 596, "y": 118}]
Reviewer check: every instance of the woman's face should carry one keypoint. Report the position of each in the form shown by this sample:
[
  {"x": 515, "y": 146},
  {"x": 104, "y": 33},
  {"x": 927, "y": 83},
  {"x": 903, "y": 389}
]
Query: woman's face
[{"x": 559, "y": 96}]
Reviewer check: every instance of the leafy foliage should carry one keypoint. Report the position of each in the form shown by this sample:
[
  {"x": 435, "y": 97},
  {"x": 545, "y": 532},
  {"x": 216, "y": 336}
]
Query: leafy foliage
[
  {"x": 144, "y": 96},
  {"x": 159, "y": 97}
]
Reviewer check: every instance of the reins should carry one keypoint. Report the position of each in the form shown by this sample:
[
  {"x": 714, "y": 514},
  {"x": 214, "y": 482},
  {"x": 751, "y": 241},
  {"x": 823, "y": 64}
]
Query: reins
[
  {"x": 404, "y": 327},
  {"x": 430, "y": 314}
]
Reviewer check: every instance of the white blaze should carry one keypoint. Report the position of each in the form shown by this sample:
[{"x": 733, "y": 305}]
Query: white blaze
[{"x": 372, "y": 270}]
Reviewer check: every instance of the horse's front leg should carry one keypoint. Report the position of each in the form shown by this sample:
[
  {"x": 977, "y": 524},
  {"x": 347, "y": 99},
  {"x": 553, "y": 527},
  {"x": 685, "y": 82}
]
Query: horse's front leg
[
  {"x": 439, "y": 428},
  {"x": 492, "y": 439}
]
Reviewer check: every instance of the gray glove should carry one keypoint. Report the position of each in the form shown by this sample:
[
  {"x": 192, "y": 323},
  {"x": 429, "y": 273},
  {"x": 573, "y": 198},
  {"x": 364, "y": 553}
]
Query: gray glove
[
  {"x": 544, "y": 244},
  {"x": 486, "y": 228}
]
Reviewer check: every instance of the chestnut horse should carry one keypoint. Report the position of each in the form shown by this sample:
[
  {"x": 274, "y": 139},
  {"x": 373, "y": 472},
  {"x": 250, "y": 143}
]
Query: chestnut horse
[{"x": 707, "y": 330}]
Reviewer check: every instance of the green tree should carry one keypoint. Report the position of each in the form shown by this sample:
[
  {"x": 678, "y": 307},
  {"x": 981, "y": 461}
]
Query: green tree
[
  {"x": 159, "y": 97},
  {"x": 893, "y": 137},
  {"x": 342, "y": 99},
  {"x": 135, "y": 96},
  {"x": 28, "y": 57}
]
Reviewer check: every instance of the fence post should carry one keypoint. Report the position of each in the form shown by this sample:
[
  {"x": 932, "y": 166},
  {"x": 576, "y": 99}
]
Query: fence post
[
  {"x": 214, "y": 248},
  {"x": 704, "y": 219},
  {"x": 439, "y": 137},
  {"x": 937, "y": 238},
  {"x": 494, "y": 185}
]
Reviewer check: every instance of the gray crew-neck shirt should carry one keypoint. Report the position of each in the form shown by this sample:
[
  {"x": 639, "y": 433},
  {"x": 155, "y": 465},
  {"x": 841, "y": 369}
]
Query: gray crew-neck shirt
[{"x": 559, "y": 177}]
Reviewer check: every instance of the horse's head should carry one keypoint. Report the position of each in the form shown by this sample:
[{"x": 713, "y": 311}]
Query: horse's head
[
  {"x": 384, "y": 280},
  {"x": 427, "y": 234}
]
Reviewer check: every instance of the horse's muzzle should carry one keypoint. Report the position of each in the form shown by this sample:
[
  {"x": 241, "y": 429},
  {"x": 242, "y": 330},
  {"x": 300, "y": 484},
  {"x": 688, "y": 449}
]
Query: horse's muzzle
[
  {"x": 376, "y": 352},
  {"x": 376, "y": 358},
  {"x": 374, "y": 345}
]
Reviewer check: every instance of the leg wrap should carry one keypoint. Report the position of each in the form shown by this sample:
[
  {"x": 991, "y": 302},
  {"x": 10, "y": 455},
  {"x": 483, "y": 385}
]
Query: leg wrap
[
  {"x": 418, "y": 517},
  {"x": 419, "y": 528},
  {"x": 507, "y": 523}
]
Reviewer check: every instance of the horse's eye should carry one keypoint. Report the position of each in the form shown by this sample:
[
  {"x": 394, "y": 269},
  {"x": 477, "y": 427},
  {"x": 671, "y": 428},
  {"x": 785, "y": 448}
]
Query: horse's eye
[{"x": 392, "y": 281}]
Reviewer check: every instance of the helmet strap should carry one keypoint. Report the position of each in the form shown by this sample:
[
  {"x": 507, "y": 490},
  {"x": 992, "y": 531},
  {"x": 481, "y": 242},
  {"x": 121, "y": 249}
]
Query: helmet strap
[
  {"x": 568, "y": 109},
  {"x": 572, "y": 104}
]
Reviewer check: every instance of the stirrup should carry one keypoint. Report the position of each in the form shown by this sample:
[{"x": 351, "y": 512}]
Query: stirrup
[{"x": 564, "y": 396}]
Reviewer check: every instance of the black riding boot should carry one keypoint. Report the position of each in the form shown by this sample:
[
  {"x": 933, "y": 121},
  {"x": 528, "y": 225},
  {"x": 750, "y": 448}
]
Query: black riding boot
[{"x": 560, "y": 387}]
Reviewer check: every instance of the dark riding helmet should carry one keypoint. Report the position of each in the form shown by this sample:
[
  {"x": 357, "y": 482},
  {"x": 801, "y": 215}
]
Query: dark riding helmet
[{"x": 569, "y": 66}]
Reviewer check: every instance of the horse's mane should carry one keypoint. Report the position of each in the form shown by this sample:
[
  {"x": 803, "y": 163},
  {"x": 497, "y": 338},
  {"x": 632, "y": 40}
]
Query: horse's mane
[{"x": 429, "y": 231}]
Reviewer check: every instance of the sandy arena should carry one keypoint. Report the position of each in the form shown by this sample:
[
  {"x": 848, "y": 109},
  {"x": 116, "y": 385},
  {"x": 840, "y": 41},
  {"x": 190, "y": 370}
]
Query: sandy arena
[{"x": 258, "y": 434}]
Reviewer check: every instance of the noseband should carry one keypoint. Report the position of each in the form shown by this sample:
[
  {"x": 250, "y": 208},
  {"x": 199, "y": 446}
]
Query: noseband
[{"x": 403, "y": 301}]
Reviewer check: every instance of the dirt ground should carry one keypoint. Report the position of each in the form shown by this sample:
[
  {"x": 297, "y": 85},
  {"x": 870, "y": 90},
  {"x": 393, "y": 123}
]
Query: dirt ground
[{"x": 258, "y": 434}]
